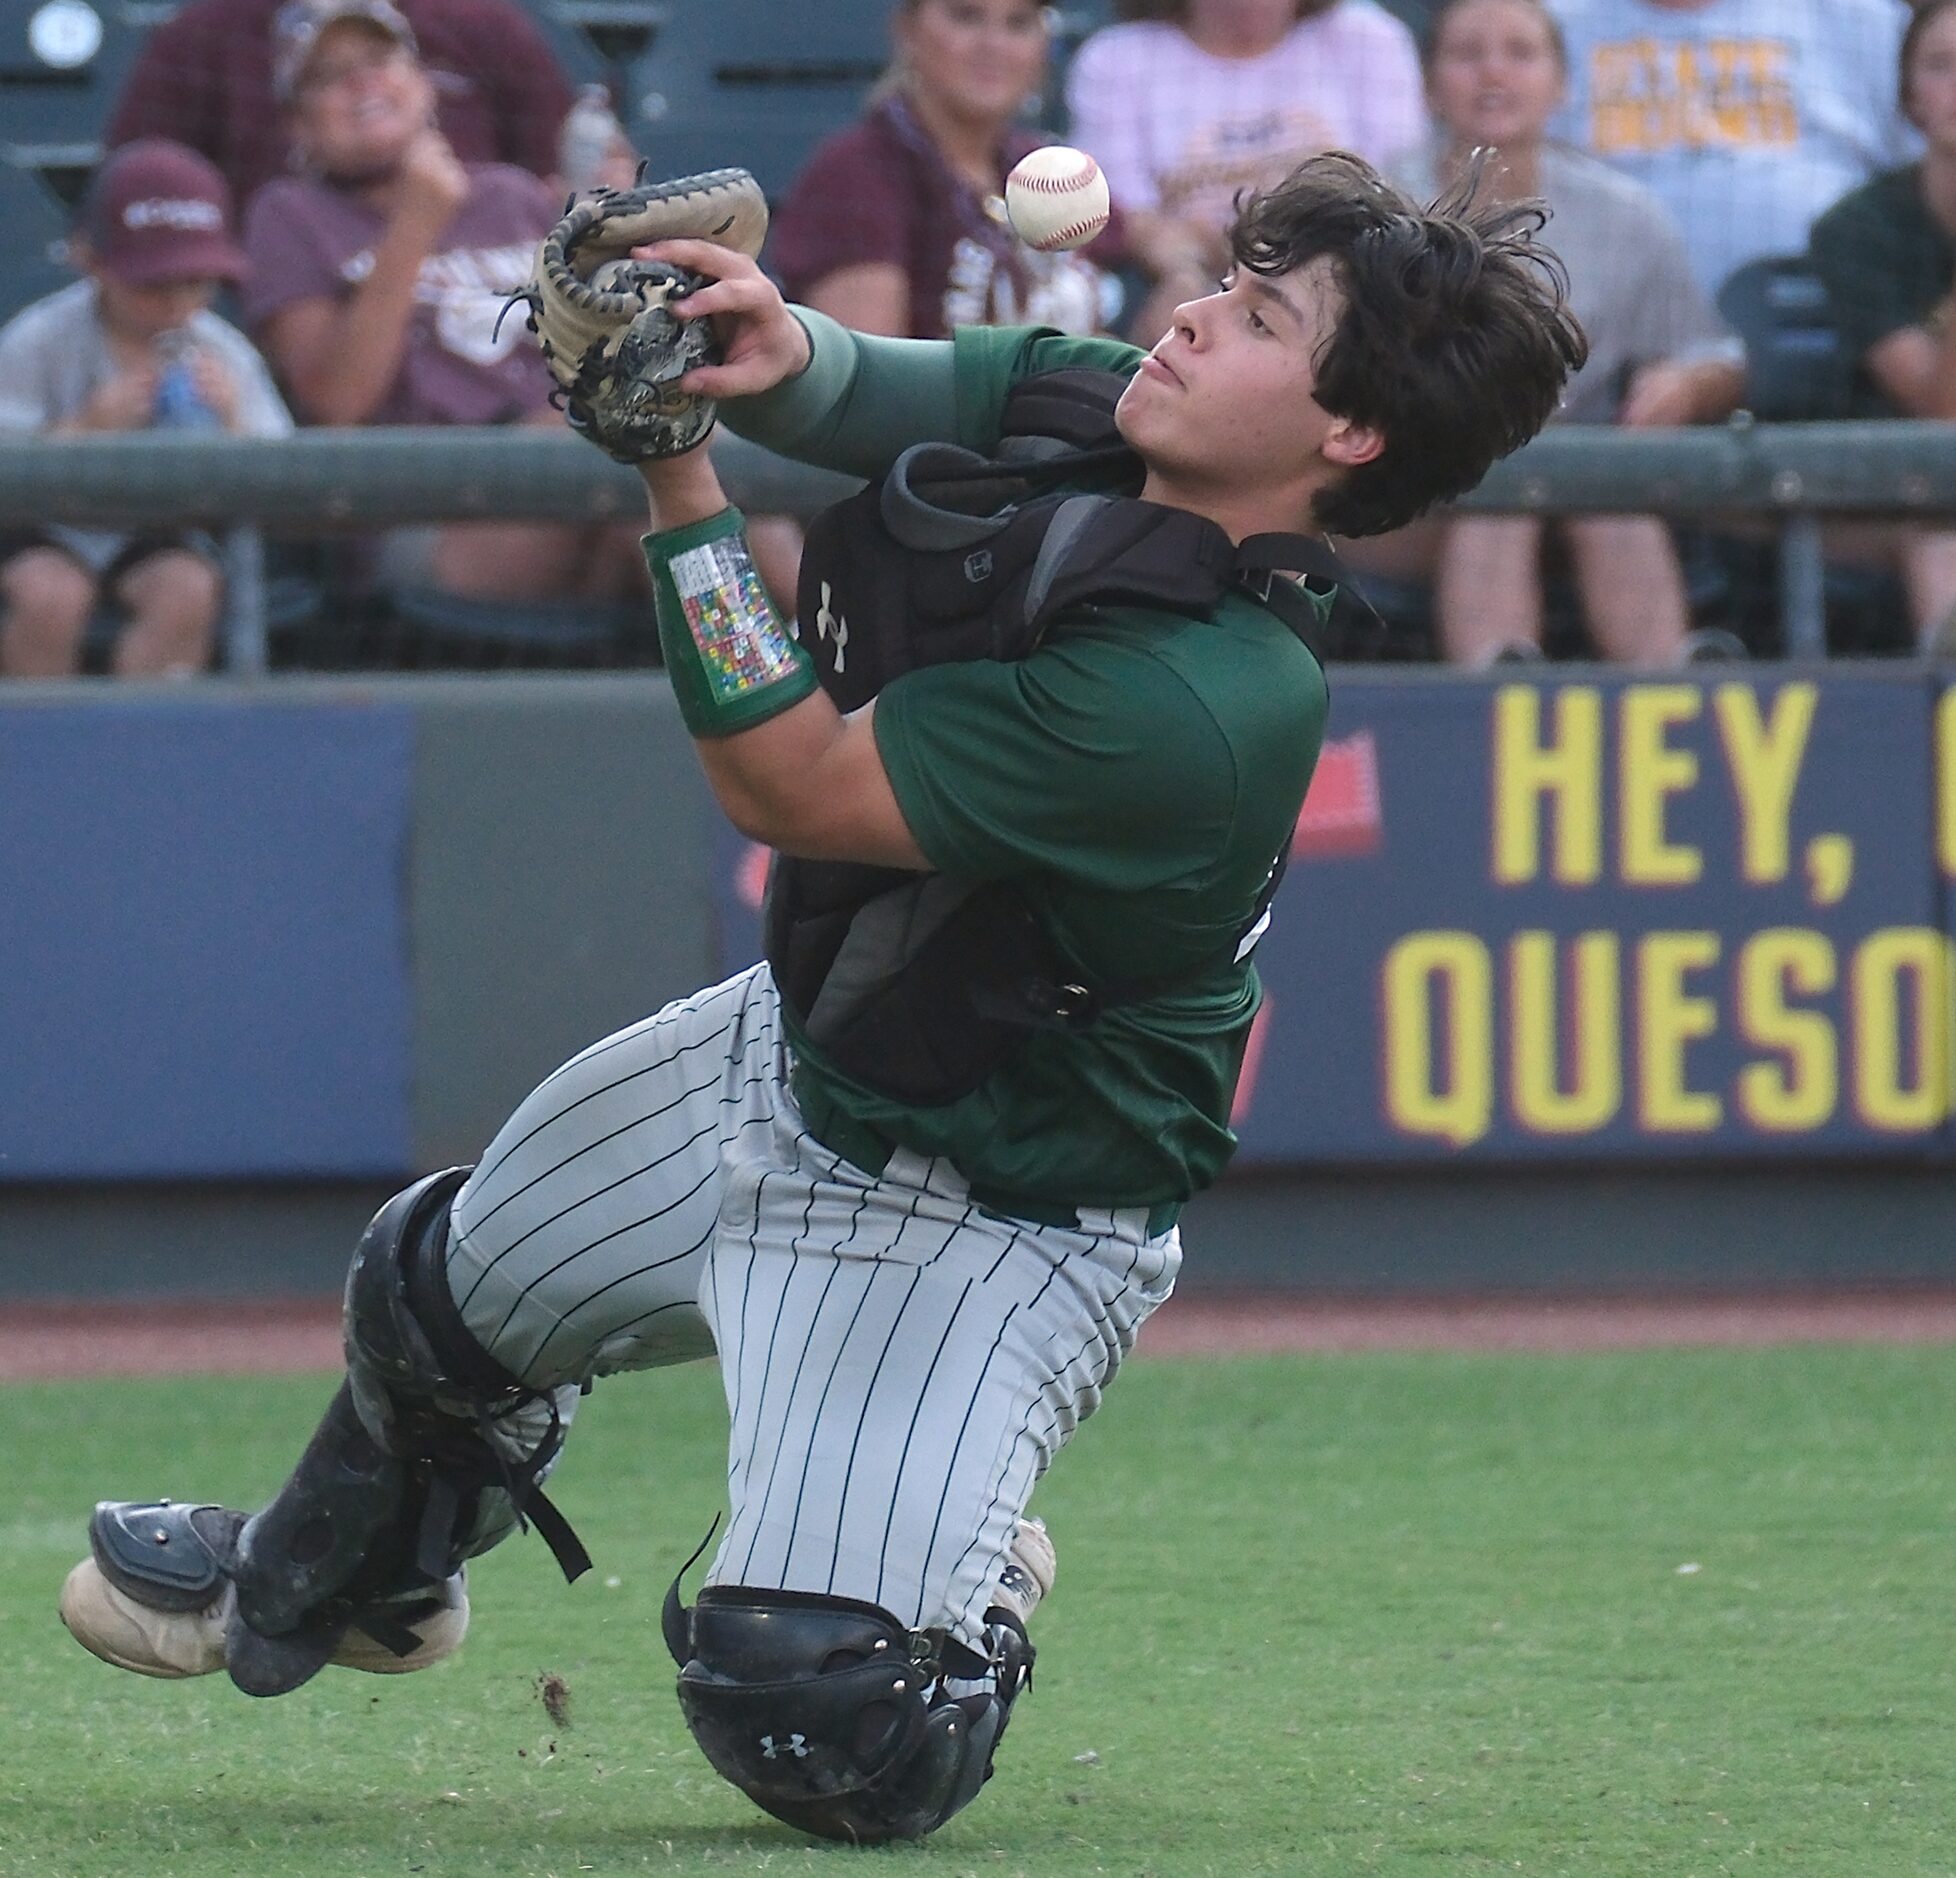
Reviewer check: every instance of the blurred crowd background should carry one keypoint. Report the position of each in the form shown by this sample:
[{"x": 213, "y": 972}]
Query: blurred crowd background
[{"x": 241, "y": 216}]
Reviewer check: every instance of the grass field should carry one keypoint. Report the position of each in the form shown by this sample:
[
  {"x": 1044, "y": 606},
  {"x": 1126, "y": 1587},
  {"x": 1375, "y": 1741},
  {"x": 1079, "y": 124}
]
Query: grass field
[{"x": 1628, "y": 1615}]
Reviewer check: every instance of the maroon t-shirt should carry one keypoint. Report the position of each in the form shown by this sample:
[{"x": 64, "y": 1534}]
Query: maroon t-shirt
[
  {"x": 880, "y": 191},
  {"x": 205, "y": 78},
  {"x": 309, "y": 241}
]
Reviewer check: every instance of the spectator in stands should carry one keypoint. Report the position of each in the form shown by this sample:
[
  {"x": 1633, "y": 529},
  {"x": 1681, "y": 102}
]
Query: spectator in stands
[
  {"x": 1887, "y": 252},
  {"x": 204, "y": 77},
  {"x": 378, "y": 285},
  {"x": 1746, "y": 118},
  {"x": 897, "y": 224},
  {"x": 131, "y": 345},
  {"x": 1658, "y": 353},
  {"x": 1186, "y": 103}
]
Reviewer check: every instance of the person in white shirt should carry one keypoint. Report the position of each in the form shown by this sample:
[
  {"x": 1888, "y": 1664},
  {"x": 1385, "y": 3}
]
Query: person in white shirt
[
  {"x": 1188, "y": 103},
  {"x": 1746, "y": 118},
  {"x": 1658, "y": 353},
  {"x": 132, "y": 345}
]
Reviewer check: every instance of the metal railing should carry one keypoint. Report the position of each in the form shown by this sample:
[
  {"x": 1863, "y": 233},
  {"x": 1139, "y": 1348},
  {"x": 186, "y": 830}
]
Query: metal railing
[{"x": 338, "y": 481}]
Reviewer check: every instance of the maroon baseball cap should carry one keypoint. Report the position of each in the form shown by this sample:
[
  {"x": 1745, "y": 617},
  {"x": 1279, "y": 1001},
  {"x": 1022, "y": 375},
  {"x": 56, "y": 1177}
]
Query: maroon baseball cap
[
  {"x": 297, "y": 25},
  {"x": 159, "y": 211}
]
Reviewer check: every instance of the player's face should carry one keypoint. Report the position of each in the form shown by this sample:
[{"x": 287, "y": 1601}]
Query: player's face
[
  {"x": 1494, "y": 77},
  {"x": 977, "y": 60},
  {"x": 361, "y": 101},
  {"x": 1225, "y": 404},
  {"x": 1932, "y": 82}
]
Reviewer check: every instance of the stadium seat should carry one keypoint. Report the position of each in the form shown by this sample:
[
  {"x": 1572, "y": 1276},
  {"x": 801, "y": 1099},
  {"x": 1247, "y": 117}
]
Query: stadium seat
[
  {"x": 33, "y": 235},
  {"x": 607, "y": 34},
  {"x": 1796, "y": 366},
  {"x": 1415, "y": 13},
  {"x": 1072, "y": 20},
  {"x": 753, "y": 82},
  {"x": 62, "y": 66}
]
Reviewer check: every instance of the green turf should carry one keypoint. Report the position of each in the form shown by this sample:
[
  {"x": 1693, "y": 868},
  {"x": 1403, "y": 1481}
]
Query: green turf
[{"x": 1398, "y": 1615}]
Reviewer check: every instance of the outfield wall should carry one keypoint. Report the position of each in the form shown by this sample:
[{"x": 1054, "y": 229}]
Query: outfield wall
[{"x": 1672, "y": 954}]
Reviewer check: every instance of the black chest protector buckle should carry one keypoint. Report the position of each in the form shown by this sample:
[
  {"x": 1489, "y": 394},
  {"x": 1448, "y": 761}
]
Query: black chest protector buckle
[{"x": 918, "y": 986}]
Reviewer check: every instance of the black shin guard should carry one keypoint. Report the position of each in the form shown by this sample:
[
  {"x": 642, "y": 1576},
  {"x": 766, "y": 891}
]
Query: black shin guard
[
  {"x": 409, "y": 1472},
  {"x": 309, "y": 1544}
]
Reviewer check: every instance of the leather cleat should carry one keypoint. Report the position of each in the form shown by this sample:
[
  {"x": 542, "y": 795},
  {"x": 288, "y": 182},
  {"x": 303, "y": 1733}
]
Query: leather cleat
[
  {"x": 108, "y": 1622},
  {"x": 153, "y": 1597}
]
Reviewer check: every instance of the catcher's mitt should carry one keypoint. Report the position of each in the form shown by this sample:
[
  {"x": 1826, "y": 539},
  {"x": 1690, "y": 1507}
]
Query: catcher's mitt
[{"x": 608, "y": 334}]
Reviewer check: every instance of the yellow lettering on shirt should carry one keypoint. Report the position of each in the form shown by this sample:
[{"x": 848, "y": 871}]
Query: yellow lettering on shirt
[{"x": 1648, "y": 96}]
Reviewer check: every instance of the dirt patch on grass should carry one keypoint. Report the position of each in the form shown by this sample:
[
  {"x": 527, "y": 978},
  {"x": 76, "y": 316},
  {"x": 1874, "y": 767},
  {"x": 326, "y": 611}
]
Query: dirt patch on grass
[
  {"x": 275, "y": 1336},
  {"x": 179, "y": 1337}
]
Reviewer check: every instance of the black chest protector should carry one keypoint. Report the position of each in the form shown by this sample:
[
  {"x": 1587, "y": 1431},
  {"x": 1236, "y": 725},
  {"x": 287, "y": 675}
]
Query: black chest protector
[{"x": 918, "y": 986}]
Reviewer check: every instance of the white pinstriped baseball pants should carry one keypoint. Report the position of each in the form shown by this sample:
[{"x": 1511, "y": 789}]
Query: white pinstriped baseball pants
[{"x": 900, "y": 1367}]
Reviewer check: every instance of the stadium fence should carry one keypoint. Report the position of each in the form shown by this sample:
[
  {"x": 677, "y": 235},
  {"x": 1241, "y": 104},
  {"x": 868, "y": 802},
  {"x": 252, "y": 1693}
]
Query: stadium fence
[{"x": 1782, "y": 478}]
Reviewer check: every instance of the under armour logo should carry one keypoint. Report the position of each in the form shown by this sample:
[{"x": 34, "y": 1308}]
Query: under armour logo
[
  {"x": 771, "y": 1750},
  {"x": 1248, "y": 943},
  {"x": 1261, "y": 925},
  {"x": 832, "y": 626}
]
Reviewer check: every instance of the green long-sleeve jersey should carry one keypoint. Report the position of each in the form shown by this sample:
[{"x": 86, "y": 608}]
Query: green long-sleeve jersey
[{"x": 1136, "y": 778}]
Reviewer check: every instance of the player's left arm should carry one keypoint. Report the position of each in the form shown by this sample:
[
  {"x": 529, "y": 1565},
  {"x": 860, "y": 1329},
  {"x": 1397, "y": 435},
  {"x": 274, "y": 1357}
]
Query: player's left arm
[
  {"x": 800, "y": 383},
  {"x": 787, "y": 767}
]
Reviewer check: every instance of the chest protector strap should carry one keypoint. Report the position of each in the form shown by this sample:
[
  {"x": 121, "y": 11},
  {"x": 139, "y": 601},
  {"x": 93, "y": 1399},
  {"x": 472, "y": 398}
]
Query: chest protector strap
[{"x": 920, "y": 986}]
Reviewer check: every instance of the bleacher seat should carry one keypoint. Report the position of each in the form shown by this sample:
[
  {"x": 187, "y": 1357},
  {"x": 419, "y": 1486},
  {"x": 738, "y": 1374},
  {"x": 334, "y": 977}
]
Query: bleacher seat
[
  {"x": 613, "y": 33},
  {"x": 1072, "y": 20},
  {"x": 62, "y": 66},
  {"x": 1415, "y": 13},
  {"x": 1798, "y": 369},
  {"x": 33, "y": 236},
  {"x": 753, "y": 82},
  {"x": 1796, "y": 366}
]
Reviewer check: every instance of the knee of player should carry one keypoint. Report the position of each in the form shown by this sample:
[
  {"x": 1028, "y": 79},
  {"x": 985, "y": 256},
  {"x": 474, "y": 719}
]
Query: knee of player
[{"x": 833, "y": 1716}]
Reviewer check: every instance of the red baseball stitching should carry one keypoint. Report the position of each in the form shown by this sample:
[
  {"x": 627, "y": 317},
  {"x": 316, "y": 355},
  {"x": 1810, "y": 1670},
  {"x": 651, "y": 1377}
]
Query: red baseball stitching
[
  {"x": 1058, "y": 185},
  {"x": 1072, "y": 232}
]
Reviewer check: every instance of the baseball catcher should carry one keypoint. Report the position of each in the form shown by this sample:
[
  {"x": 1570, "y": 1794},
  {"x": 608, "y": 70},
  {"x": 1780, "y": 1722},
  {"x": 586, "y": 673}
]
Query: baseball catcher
[{"x": 1030, "y": 762}]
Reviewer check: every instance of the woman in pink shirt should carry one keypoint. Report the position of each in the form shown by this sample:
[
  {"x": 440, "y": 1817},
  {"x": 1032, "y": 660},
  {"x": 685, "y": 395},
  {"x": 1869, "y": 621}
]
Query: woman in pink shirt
[
  {"x": 1188, "y": 102},
  {"x": 897, "y": 224}
]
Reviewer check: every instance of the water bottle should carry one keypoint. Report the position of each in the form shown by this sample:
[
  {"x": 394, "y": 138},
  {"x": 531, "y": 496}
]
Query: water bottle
[
  {"x": 591, "y": 131},
  {"x": 179, "y": 404}
]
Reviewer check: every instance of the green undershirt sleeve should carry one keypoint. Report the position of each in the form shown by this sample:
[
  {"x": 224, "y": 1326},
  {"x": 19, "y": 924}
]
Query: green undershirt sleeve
[{"x": 861, "y": 401}]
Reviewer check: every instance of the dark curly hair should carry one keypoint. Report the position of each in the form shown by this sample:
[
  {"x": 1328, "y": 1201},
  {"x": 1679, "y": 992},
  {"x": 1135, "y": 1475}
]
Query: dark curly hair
[{"x": 1455, "y": 339}]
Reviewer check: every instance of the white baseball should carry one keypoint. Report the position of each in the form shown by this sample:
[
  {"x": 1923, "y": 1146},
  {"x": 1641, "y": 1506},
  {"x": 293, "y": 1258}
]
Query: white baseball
[{"x": 1056, "y": 198}]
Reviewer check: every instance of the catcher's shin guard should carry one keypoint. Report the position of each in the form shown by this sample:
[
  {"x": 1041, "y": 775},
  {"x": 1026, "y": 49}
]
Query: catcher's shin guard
[
  {"x": 429, "y": 1454},
  {"x": 830, "y": 1715}
]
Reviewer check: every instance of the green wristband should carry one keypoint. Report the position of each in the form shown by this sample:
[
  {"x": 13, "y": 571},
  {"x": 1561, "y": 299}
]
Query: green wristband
[{"x": 732, "y": 662}]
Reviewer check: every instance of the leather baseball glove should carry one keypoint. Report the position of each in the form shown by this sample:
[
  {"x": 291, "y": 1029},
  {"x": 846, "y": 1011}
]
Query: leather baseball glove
[{"x": 605, "y": 322}]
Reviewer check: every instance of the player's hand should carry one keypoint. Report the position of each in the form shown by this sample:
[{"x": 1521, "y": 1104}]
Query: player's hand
[
  {"x": 762, "y": 343},
  {"x": 126, "y": 402},
  {"x": 433, "y": 183}
]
